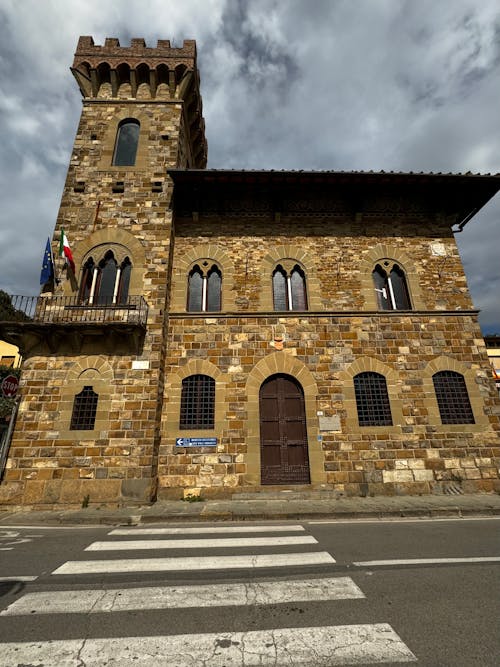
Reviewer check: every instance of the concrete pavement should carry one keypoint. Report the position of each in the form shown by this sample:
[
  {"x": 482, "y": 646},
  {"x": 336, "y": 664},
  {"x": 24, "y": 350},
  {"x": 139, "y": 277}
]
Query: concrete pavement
[{"x": 279, "y": 505}]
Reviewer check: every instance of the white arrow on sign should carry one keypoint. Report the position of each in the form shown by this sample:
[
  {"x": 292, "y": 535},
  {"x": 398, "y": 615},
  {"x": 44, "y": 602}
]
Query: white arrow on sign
[{"x": 179, "y": 442}]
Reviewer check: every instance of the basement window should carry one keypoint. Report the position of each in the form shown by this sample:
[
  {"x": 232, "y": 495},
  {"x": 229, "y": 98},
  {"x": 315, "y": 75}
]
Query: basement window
[
  {"x": 452, "y": 397},
  {"x": 372, "y": 400},
  {"x": 197, "y": 402},
  {"x": 84, "y": 410}
]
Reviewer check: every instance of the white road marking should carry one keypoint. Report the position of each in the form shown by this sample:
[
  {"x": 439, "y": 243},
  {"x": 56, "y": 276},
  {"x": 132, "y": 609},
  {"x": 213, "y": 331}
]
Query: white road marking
[
  {"x": 308, "y": 647},
  {"x": 396, "y": 519},
  {"x": 35, "y": 527},
  {"x": 199, "y": 530},
  {"x": 201, "y": 543},
  {"x": 426, "y": 561},
  {"x": 22, "y": 577},
  {"x": 178, "y": 597},
  {"x": 194, "y": 563}
]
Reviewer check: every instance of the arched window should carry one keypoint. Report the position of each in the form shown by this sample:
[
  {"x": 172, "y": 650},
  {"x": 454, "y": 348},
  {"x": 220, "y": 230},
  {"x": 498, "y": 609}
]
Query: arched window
[
  {"x": 453, "y": 398},
  {"x": 204, "y": 288},
  {"x": 127, "y": 139},
  {"x": 106, "y": 279},
  {"x": 197, "y": 402},
  {"x": 105, "y": 283},
  {"x": 289, "y": 288},
  {"x": 86, "y": 281},
  {"x": 84, "y": 410},
  {"x": 372, "y": 400},
  {"x": 390, "y": 286}
]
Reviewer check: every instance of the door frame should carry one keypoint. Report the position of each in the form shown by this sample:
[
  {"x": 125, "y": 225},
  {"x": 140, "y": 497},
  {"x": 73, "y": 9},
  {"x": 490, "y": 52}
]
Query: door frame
[
  {"x": 282, "y": 362},
  {"x": 285, "y": 473}
]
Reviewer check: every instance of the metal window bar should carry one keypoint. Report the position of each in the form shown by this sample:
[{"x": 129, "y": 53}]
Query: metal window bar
[
  {"x": 452, "y": 397},
  {"x": 84, "y": 410},
  {"x": 372, "y": 400},
  {"x": 197, "y": 402}
]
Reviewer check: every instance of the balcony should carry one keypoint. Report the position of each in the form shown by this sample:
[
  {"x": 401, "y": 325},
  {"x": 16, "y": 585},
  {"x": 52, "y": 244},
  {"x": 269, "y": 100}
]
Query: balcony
[{"x": 63, "y": 325}]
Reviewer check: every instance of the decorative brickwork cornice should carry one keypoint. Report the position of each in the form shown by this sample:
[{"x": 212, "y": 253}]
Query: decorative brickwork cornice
[{"x": 114, "y": 54}]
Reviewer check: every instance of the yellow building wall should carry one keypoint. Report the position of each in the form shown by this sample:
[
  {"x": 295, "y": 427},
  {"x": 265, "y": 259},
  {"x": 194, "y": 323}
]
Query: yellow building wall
[{"x": 9, "y": 355}]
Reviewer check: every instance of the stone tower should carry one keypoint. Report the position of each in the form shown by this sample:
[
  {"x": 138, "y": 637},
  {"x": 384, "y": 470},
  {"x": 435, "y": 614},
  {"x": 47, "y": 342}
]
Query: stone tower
[{"x": 141, "y": 114}]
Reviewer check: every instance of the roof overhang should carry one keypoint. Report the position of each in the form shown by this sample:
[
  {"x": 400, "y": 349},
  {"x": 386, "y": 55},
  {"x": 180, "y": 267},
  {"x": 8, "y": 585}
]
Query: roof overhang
[{"x": 457, "y": 196}]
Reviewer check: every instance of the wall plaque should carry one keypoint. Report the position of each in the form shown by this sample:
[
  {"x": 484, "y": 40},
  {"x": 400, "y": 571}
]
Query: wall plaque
[{"x": 329, "y": 423}]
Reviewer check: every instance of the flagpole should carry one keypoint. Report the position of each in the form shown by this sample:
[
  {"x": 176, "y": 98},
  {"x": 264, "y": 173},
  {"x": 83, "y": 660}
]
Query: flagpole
[{"x": 56, "y": 279}]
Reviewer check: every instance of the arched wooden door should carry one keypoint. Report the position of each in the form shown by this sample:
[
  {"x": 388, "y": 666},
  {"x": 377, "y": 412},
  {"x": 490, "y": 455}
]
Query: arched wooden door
[{"x": 283, "y": 434}]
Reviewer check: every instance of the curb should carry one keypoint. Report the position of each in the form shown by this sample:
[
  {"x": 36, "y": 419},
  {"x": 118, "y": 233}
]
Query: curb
[{"x": 225, "y": 516}]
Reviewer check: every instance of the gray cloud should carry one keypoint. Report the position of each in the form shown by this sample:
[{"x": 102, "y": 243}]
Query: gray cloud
[{"x": 300, "y": 84}]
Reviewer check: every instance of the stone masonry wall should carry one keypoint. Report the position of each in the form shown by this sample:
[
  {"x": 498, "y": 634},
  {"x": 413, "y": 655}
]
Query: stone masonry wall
[
  {"x": 48, "y": 463},
  {"x": 415, "y": 455}
]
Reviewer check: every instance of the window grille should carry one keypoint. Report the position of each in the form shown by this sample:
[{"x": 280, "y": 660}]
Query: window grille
[
  {"x": 452, "y": 397},
  {"x": 372, "y": 400},
  {"x": 197, "y": 402},
  {"x": 84, "y": 410}
]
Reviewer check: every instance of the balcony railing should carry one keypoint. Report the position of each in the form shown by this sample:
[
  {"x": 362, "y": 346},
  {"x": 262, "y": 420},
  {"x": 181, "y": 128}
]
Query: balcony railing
[{"x": 69, "y": 309}]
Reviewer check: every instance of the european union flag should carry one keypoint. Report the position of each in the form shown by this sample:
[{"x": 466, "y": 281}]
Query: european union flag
[{"x": 47, "y": 272}]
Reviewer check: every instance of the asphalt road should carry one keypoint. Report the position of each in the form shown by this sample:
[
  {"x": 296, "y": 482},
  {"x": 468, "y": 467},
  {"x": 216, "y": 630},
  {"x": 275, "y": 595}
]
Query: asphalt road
[{"x": 291, "y": 593}]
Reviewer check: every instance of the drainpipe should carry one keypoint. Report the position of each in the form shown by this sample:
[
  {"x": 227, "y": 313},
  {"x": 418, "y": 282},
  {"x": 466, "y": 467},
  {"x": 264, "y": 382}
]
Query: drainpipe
[
  {"x": 6, "y": 441},
  {"x": 462, "y": 224}
]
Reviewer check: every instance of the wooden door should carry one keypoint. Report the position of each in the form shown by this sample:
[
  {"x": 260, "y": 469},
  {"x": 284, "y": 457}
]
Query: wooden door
[{"x": 283, "y": 434}]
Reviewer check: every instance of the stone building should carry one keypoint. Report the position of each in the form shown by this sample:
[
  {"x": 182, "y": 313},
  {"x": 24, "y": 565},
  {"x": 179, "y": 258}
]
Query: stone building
[
  {"x": 237, "y": 330},
  {"x": 492, "y": 342}
]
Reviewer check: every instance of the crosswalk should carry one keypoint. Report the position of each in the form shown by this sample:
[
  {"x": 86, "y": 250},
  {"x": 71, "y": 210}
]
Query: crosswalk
[{"x": 313, "y": 581}]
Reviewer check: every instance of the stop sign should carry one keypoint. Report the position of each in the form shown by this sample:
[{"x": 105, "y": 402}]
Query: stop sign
[{"x": 9, "y": 386}]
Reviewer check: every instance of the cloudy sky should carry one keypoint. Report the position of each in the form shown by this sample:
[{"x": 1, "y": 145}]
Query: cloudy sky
[{"x": 409, "y": 85}]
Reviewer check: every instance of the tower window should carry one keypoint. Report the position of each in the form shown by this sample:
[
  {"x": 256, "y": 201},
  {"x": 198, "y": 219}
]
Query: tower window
[
  {"x": 390, "y": 286},
  {"x": 197, "y": 402},
  {"x": 84, "y": 410},
  {"x": 127, "y": 139},
  {"x": 204, "y": 288},
  {"x": 372, "y": 400},
  {"x": 289, "y": 289},
  {"x": 452, "y": 397},
  {"x": 105, "y": 283}
]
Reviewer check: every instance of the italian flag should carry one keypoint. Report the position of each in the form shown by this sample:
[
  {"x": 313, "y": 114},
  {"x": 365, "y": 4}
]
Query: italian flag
[{"x": 65, "y": 250}]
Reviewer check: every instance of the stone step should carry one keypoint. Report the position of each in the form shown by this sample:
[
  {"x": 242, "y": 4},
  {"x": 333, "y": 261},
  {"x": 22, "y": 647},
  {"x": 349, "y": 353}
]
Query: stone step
[{"x": 286, "y": 494}]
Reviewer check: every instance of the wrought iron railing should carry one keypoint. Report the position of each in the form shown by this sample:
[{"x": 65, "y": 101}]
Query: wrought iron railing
[{"x": 69, "y": 309}]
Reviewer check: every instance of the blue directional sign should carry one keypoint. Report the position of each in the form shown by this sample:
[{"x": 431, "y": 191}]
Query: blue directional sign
[{"x": 195, "y": 442}]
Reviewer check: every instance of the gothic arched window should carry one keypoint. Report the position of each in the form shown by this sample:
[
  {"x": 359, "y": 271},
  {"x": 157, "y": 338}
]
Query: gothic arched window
[
  {"x": 105, "y": 283},
  {"x": 390, "y": 286},
  {"x": 204, "y": 288},
  {"x": 127, "y": 140},
  {"x": 453, "y": 398},
  {"x": 289, "y": 288},
  {"x": 197, "y": 402},
  {"x": 372, "y": 399},
  {"x": 86, "y": 281}
]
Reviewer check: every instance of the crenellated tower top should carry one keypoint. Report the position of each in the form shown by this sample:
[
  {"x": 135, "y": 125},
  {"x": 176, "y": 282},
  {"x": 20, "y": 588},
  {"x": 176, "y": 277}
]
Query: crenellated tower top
[{"x": 139, "y": 72}]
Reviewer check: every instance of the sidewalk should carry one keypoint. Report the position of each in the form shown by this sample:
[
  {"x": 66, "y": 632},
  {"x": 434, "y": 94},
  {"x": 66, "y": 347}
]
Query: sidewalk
[{"x": 276, "y": 508}]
